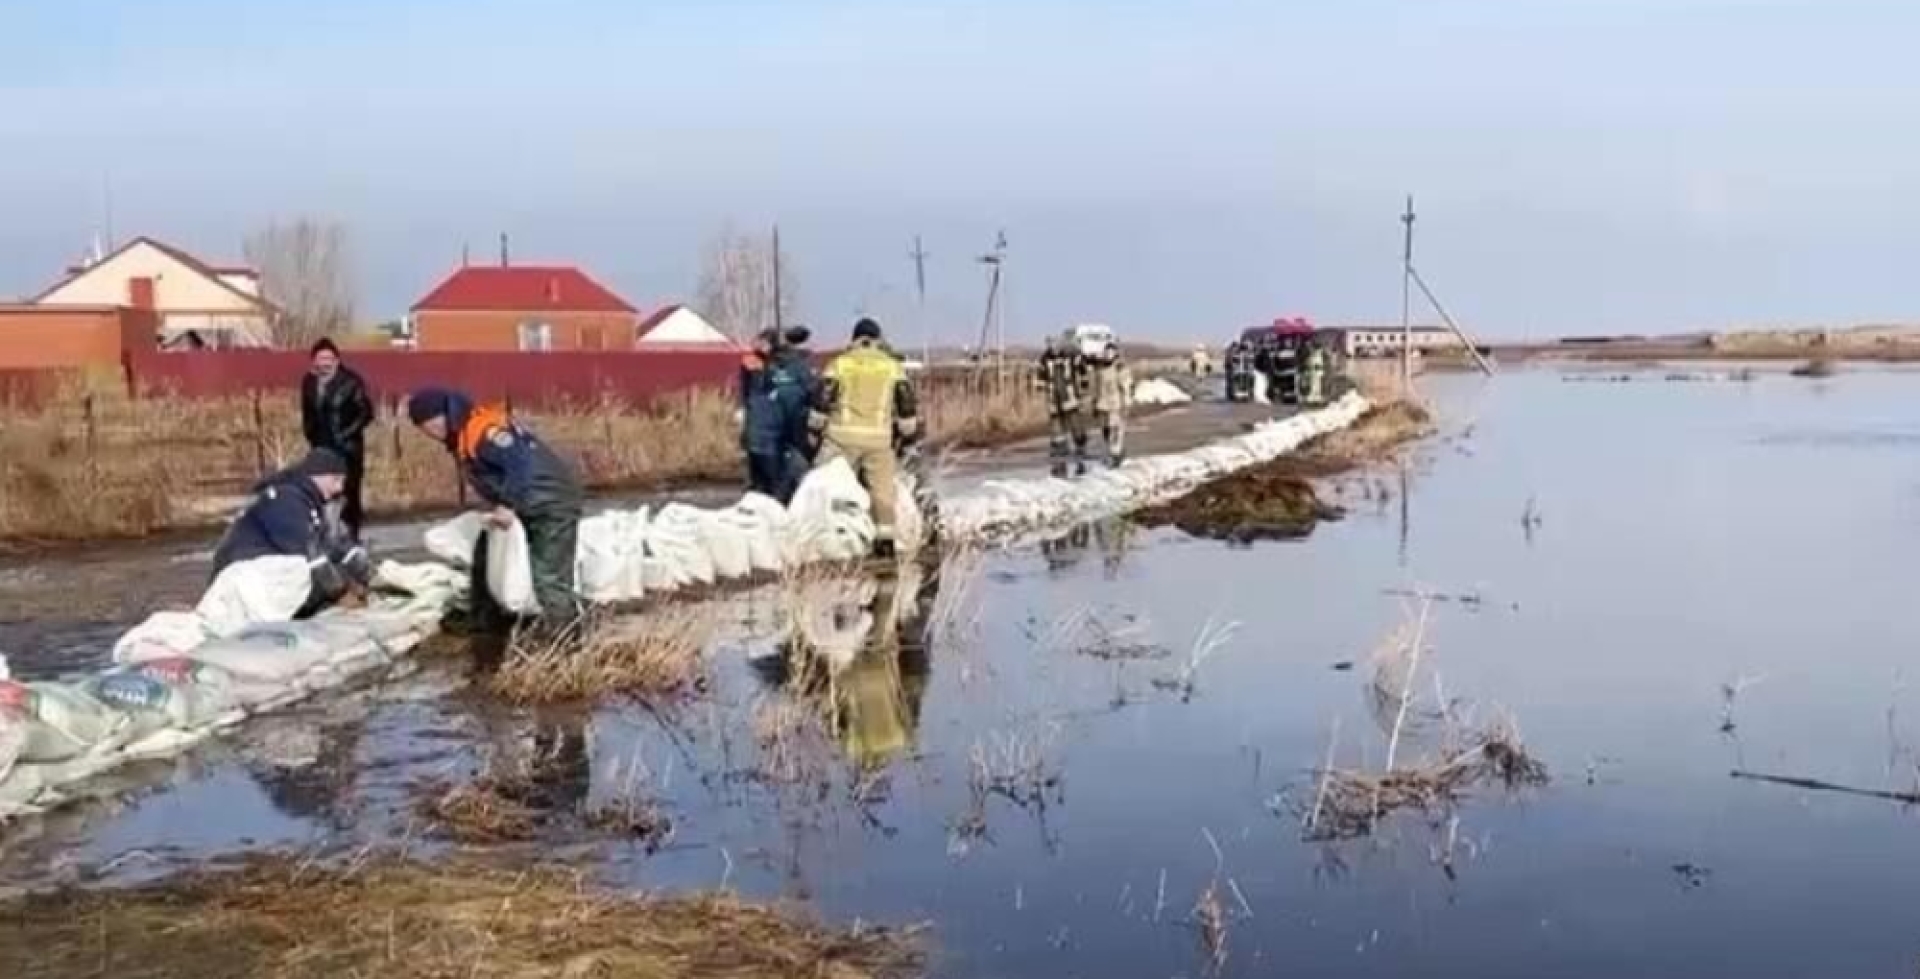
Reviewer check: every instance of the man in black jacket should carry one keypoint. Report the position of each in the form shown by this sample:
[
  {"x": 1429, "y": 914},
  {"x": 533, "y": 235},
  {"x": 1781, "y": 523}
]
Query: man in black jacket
[{"x": 334, "y": 413}]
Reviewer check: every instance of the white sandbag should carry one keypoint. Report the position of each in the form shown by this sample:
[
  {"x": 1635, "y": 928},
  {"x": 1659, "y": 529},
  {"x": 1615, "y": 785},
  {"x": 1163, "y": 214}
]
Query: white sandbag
[
  {"x": 59, "y": 722},
  {"x": 13, "y": 740},
  {"x": 265, "y": 589},
  {"x": 281, "y": 652},
  {"x": 158, "y": 694},
  {"x": 610, "y": 565},
  {"x": 421, "y": 579},
  {"x": 763, "y": 521},
  {"x": 162, "y": 634},
  {"x": 1159, "y": 391},
  {"x": 510, "y": 569},
  {"x": 676, "y": 549},
  {"x": 453, "y": 540},
  {"x": 909, "y": 523},
  {"x": 1260, "y": 388},
  {"x": 726, "y": 545},
  {"x": 832, "y": 517}
]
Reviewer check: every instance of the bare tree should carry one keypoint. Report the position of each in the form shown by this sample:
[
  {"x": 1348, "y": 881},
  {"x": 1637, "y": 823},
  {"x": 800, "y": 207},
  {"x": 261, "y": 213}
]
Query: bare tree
[
  {"x": 736, "y": 290},
  {"x": 305, "y": 268}
]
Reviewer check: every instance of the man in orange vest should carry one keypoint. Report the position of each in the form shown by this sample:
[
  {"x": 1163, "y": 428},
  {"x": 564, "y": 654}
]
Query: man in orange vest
[{"x": 523, "y": 481}]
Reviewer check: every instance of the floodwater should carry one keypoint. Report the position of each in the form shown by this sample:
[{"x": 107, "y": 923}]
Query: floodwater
[{"x": 1038, "y": 783}]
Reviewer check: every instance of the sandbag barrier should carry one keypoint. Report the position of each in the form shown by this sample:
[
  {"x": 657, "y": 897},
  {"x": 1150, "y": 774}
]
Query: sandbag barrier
[{"x": 181, "y": 677}]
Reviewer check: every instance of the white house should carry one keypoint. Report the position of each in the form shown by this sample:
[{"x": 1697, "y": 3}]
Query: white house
[
  {"x": 222, "y": 306},
  {"x": 679, "y": 327}
]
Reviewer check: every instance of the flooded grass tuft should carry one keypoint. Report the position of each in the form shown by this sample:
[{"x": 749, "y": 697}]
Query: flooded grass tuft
[
  {"x": 395, "y": 918},
  {"x": 660, "y": 654},
  {"x": 482, "y": 812}
]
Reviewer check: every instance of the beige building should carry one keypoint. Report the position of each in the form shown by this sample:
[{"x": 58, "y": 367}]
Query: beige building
[
  {"x": 221, "y": 306},
  {"x": 1382, "y": 341}
]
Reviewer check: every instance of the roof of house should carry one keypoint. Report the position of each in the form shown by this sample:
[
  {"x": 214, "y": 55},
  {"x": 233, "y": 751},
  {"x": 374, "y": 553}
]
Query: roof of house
[
  {"x": 199, "y": 267},
  {"x": 694, "y": 330},
  {"x": 518, "y": 288}
]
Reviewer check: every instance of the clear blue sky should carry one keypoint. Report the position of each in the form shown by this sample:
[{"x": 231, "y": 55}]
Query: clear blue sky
[{"x": 1175, "y": 168}]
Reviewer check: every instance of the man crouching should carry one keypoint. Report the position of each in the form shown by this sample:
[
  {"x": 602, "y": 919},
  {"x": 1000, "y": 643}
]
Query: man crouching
[{"x": 291, "y": 515}]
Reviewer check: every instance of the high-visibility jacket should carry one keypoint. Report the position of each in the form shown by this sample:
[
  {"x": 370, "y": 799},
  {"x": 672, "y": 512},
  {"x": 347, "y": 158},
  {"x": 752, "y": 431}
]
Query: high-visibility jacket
[{"x": 865, "y": 382}]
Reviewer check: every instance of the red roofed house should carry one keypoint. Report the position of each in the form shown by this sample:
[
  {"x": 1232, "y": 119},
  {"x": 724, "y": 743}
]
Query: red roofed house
[{"x": 522, "y": 307}]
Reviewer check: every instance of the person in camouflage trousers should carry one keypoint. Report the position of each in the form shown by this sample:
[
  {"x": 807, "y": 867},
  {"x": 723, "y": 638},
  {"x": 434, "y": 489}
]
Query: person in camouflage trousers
[{"x": 1062, "y": 376}]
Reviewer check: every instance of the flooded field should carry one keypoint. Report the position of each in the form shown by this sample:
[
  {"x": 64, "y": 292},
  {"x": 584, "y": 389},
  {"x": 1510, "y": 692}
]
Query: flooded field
[{"x": 1100, "y": 757}]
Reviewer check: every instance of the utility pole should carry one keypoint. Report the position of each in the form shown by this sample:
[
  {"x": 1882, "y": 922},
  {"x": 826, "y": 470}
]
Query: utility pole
[
  {"x": 505, "y": 258},
  {"x": 779, "y": 325},
  {"x": 1406, "y": 302},
  {"x": 993, "y": 323},
  {"x": 1410, "y": 278},
  {"x": 920, "y": 256}
]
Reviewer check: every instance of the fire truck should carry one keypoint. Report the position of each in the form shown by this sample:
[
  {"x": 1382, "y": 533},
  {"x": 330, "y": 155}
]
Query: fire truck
[{"x": 1273, "y": 351}]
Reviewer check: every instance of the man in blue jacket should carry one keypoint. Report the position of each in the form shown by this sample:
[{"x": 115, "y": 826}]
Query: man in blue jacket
[
  {"x": 291, "y": 515},
  {"x": 522, "y": 480},
  {"x": 776, "y": 389}
]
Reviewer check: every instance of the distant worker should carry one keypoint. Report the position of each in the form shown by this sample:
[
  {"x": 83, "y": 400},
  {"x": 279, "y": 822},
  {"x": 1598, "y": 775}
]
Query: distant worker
[
  {"x": 335, "y": 412},
  {"x": 864, "y": 403},
  {"x": 1200, "y": 361},
  {"x": 1061, "y": 377},
  {"x": 776, "y": 390},
  {"x": 1239, "y": 367},
  {"x": 290, "y": 515},
  {"x": 1313, "y": 375},
  {"x": 522, "y": 480},
  {"x": 1111, "y": 381}
]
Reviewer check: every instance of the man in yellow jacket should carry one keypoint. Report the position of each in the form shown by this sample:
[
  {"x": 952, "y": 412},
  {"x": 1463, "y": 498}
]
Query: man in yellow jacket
[{"x": 865, "y": 402}]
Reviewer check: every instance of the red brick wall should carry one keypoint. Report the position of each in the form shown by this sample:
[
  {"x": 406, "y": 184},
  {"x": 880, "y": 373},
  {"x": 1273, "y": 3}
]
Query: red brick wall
[
  {"x": 500, "y": 331},
  {"x": 50, "y": 337}
]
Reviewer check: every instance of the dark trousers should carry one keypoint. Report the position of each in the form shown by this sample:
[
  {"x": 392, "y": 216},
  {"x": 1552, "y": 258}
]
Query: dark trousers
[
  {"x": 353, "y": 512},
  {"x": 775, "y": 474}
]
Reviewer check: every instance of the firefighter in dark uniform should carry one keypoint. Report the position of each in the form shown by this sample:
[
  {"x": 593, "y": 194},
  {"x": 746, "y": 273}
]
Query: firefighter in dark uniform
[
  {"x": 523, "y": 480},
  {"x": 1061, "y": 375}
]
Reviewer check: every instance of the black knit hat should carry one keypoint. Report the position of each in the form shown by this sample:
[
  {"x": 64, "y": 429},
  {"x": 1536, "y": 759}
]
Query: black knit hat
[
  {"x": 323, "y": 462},
  {"x": 866, "y": 329}
]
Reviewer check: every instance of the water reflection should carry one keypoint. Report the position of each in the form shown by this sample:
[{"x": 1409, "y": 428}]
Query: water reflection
[
  {"x": 308, "y": 772},
  {"x": 859, "y": 650},
  {"x": 1112, "y": 538}
]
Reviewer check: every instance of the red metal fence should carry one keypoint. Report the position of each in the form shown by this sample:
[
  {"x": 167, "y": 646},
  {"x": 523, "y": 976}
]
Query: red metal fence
[{"x": 535, "y": 379}]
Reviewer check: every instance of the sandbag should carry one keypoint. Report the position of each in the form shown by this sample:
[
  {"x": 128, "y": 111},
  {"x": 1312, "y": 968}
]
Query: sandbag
[
  {"x": 726, "y": 545},
  {"x": 265, "y": 589},
  {"x": 162, "y": 693},
  {"x": 610, "y": 565},
  {"x": 909, "y": 523},
  {"x": 832, "y": 517},
  {"x": 281, "y": 652},
  {"x": 59, "y": 722},
  {"x": 510, "y": 569},
  {"x": 762, "y": 521},
  {"x": 1159, "y": 391},
  {"x": 452, "y": 541},
  {"x": 676, "y": 549},
  {"x": 162, "y": 634},
  {"x": 13, "y": 740},
  {"x": 423, "y": 579}
]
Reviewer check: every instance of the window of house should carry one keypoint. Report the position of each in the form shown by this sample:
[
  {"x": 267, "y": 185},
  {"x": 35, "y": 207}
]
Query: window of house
[{"x": 536, "y": 336}]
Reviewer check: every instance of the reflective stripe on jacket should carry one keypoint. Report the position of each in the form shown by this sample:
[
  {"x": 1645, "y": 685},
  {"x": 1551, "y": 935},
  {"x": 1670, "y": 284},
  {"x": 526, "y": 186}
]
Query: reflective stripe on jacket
[{"x": 866, "y": 378}]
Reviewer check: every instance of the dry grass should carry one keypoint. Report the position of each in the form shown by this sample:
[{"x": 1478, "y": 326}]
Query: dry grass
[
  {"x": 1351, "y": 803},
  {"x": 93, "y": 464},
  {"x": 273, "y": 918},
  {"x": 480, "y": 812},
  {"x": 659, "y": 654}
]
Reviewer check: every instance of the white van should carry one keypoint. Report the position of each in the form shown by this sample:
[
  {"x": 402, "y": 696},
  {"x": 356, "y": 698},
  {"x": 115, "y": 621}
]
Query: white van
[{"x": 1093, "y": 338}]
